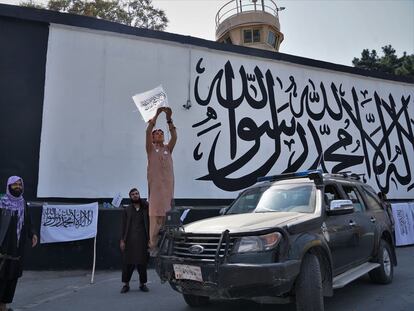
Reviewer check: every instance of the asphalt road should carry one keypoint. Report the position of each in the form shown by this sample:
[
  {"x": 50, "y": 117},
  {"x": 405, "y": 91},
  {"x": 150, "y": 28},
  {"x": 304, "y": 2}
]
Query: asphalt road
[{"x": 71, "y": 290}]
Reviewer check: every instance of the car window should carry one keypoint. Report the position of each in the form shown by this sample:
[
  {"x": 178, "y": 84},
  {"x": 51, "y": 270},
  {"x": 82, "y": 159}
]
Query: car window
[
  {"x": 247, "y": 202},
  {"x": 331, "y": 193},
  {"x": 372, "y": 200},
  {"x": 277, "y": 198},
  {"x": 353, "y": 195}
]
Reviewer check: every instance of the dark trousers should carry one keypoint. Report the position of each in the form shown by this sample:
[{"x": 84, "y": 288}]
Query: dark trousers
[
  {"x": 127, "y": 271},
  {"x": 7, "y": 289}
]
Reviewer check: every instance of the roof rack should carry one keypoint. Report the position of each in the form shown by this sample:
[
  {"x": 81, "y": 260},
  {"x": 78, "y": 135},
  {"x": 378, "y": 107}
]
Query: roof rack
[
  {"x": 311, "y": 174},
  {"x": 349, "y": 174}
]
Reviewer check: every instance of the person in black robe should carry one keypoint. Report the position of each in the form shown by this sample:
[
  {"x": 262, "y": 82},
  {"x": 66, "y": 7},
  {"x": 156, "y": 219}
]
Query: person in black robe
[
  {"x": 134, "y": 241},
  {"x": 15, "y": 228}
]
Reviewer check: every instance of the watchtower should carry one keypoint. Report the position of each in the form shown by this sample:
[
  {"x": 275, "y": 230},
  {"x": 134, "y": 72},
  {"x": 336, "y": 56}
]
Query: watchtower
[{"x": 252, "y": 23}]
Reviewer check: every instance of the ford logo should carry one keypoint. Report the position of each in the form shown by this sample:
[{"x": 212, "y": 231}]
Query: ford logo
[{"x": 196, "y": 249}]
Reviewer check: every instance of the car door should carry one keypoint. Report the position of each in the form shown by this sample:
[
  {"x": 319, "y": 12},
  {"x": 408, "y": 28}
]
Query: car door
[
  {"x": 339, "y": 232},
  {"x": 363, "y": 224},
  {"x": 375, "y": 210}
]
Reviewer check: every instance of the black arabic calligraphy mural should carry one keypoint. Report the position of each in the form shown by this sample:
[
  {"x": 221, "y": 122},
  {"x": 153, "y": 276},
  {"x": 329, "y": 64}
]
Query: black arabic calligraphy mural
[{"x": 311, "y": 124}]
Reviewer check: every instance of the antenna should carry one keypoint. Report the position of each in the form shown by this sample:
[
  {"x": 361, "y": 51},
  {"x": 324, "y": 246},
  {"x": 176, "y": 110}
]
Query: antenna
[{"x": 320, "y": 160}]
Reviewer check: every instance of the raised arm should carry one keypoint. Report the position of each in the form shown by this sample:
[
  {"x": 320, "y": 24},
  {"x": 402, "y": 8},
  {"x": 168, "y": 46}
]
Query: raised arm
[
  {"x": 172, "y": 129},
  {"x": 150, "y": 127}
]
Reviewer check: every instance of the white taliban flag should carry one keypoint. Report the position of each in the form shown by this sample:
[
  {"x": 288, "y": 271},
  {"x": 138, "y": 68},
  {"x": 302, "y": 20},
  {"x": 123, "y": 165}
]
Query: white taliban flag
[
  {"x": 62, "y": 223},
  {"x": 148, "y": 102},
  {"x": 404, "y": 223}
]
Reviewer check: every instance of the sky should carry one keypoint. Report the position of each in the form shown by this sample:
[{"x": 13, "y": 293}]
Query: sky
[{"x": 335, "y": 31}]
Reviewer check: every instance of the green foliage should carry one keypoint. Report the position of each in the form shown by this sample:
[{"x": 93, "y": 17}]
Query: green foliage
[
  {"x": 32, "y": 4},
  {"x": 389, "y": 62},
  {"x": 137, "y": 13}
]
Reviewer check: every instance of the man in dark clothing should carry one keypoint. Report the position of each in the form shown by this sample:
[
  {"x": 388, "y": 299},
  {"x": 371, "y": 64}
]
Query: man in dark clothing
[
  {"x": 134, "y": 241},
  {"x": 15, "y": 227}
]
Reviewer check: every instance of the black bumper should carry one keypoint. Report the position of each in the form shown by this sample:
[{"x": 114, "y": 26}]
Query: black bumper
[{"x": 233, "y": 280}]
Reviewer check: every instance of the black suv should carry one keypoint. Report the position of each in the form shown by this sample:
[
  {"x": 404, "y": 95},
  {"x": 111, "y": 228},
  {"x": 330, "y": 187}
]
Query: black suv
[{"x": 292, "y": 237}]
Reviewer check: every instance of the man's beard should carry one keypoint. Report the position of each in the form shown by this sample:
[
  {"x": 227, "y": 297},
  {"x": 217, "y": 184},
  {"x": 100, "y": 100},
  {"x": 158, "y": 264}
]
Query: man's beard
[
  {"x": 14, "y": 192},
  {"x": 136, "y": 200}
]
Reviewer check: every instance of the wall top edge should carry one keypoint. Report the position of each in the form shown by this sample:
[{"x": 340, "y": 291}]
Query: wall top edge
[{"x": 52, "y": 17}]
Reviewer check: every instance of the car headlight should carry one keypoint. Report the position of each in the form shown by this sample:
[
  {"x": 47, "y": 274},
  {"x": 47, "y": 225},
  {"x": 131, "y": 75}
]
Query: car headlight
[{"x": 258, "y": 243}]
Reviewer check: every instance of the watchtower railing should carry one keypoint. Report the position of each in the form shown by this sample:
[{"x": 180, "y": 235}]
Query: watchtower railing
[{"x": 236, "y": 7}]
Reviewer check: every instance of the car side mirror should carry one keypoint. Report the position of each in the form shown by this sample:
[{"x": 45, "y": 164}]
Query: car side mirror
[
  {"x": 340, "y": 207},
  {"x": 223, "y": 210}
]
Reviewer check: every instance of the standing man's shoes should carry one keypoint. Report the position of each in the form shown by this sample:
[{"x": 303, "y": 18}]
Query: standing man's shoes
[
  {"x": 144, "y": 288},
  {"x": 124, "y": 289}
]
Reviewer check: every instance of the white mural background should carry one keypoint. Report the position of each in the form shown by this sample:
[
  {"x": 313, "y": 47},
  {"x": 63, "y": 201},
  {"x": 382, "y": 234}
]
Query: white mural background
[{"x": 93, "y": 139}]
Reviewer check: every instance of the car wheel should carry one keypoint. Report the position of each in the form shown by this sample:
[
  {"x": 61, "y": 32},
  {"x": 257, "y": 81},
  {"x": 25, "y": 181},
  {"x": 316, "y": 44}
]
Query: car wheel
[
  {"x": 196, "y": 301},
  {"x": 308, "y": 287},
  {"x": 385, "y": 272}
]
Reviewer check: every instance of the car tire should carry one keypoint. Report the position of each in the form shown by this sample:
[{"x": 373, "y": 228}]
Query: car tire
[
  {"x": 385, "y": 272},
  {"x": 308, "y": 287},
  {"x": 196, "y": 301}
]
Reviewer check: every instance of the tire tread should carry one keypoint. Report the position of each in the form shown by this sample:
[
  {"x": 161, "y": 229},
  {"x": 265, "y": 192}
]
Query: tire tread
[{"x": 309, "y": 292}]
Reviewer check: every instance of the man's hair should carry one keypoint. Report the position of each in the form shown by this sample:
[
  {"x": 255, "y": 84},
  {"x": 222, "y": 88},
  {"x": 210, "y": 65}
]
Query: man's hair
[
  {"x": 157, "y": 130},
  {"x": 132, "y": 190}
]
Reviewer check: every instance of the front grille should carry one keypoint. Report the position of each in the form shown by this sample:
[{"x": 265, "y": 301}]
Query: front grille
[{"x": 210, "y": 244}]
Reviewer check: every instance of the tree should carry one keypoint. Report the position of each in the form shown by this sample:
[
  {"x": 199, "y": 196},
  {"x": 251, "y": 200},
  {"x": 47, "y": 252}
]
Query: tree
[
  {"x": 389, "y": 62},
  {"x": 137, "y": 13}
]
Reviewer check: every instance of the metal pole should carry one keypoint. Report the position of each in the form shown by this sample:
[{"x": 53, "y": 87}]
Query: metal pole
[
  {"x": 263, "y": 6},
  {"x": 241, "y": 8},
  {"x": 94, "y": 260}
]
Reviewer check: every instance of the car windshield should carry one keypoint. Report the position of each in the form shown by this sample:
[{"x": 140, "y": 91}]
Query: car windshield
[{"x": 278, "y": 198}]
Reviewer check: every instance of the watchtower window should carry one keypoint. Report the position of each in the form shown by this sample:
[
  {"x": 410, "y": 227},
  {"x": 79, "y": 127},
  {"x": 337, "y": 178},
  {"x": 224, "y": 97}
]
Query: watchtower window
[
  {"x": 256, "y": 35},
  {"x": 248, "y": 36},
  {"x": 272, "y": 39},
  {"x": 251, "y": 35}
]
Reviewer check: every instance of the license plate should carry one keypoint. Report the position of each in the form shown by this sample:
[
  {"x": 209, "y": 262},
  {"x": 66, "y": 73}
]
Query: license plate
[{"x": 186, "y": 272}]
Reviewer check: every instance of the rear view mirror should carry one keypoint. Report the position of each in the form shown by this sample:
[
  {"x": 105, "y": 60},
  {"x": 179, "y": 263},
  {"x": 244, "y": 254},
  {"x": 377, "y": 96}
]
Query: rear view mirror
[
  {"x": 223, "y": 210},
  {"x": 340, "y": 207}
]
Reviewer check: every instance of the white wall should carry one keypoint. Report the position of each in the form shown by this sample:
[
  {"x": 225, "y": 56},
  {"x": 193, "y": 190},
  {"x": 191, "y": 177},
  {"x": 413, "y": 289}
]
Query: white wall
[{"x": 93, "y": 139}]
